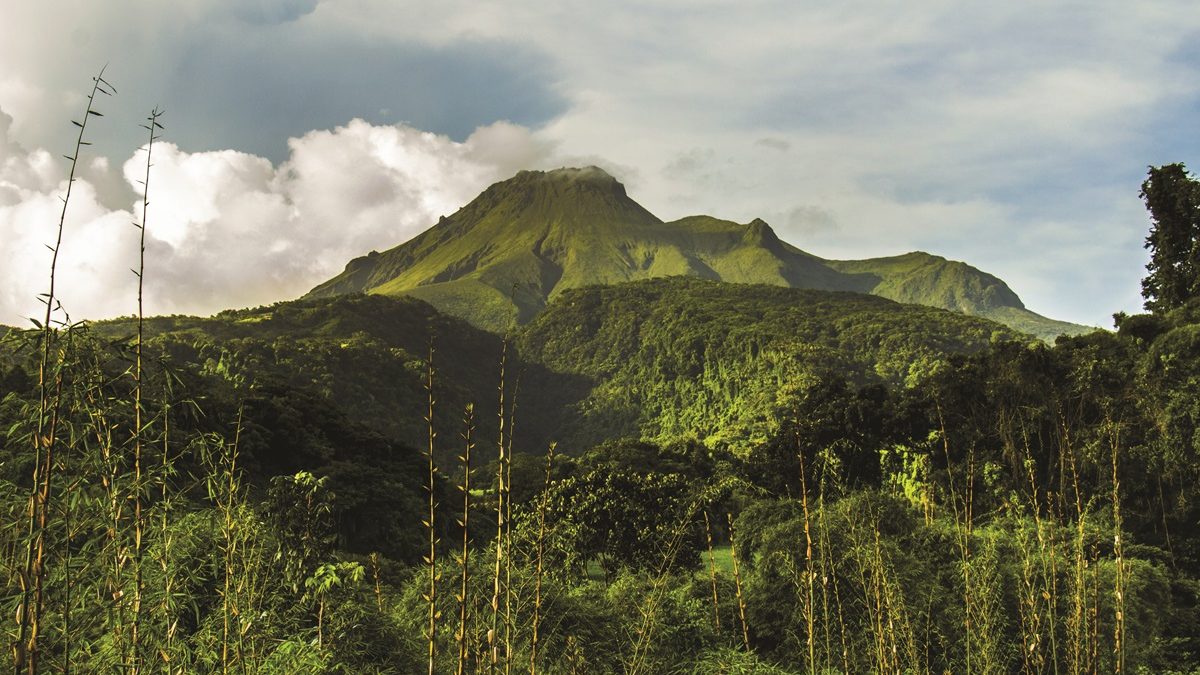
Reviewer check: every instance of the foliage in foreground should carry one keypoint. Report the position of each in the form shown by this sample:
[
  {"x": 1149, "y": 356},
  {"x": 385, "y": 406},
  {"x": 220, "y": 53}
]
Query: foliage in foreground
[{"x": 1021, "y": 509}]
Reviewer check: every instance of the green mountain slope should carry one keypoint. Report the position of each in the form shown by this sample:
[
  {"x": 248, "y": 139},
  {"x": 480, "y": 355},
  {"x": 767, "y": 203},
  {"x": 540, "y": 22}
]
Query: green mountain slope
[
  {"x": 657, "y": 358},
  {"x": 499, "y": 259},
  {"x": 363, "y": 354},
  {"x": 687, "y": 357},
  {"x": 925, "y": 279}
]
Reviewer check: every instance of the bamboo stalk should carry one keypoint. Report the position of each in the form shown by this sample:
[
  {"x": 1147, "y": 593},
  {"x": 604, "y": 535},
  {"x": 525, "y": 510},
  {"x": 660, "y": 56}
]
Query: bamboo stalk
[
  {"x": 229, "y": 604},
  {"x": 25, "y": 652},
  {"x": 168, "y": 606},
  {"x": 430, "y": 523},
  {"x": 1118, "y": 554},
  {"x": 737, "y": 581},
  {"x": 712, "y": 570},
  {"x": 465, "y": 557},
  {"x": 541, "y": 538},
  {"x": 508, "y": 560},
  {"x": 810, "y": 601},
  {"x": 493, "y": 648},
  {"x": 138, "y": 520}
]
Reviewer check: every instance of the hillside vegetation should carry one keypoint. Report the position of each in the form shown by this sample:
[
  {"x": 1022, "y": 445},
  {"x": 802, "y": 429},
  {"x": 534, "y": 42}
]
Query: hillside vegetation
[
  {"x": 681, "y": 357},
  {"x": 976, "y": 499}
]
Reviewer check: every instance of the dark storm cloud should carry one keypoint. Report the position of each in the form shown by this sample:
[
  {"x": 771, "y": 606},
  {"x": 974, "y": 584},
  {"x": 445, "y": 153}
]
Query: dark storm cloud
[
  {"x": 255, "y": 95},
  {"x": 249, "y": 74}
]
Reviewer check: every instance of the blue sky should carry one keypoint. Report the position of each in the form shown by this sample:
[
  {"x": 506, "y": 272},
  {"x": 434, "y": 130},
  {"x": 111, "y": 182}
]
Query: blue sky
[{"x": 301, "y": 133}]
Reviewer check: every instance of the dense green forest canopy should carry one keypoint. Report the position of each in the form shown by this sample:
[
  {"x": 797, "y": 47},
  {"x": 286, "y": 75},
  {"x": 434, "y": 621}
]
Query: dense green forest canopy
[
  {"x": 680, "y": 357},
  {"x": 747, "y": 479}
]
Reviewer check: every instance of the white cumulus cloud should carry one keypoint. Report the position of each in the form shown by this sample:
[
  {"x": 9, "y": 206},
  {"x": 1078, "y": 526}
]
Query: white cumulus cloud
[{"x": 228, "y": 228}]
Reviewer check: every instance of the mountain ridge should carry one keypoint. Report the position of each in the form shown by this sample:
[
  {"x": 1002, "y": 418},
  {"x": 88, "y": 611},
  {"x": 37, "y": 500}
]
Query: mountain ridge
[{"x": 502, "y": 257}]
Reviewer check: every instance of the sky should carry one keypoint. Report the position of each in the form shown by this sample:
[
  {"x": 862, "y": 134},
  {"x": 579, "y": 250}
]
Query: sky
[{"x": 302, "y": 133}]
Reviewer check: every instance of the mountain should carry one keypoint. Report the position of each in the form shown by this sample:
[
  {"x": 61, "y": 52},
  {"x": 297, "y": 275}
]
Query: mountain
[{"x": 498, "y": 260}]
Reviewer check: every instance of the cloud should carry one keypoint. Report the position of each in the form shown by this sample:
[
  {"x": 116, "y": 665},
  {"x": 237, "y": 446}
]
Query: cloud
[
  {"x": 271, "y": 11},
  {"x": 228, "y": 228},
  {"x": 808, "y": 220},
  {"x": 970, "y": 130},
  {"x": 774, "y": 144},
  {"x": 249, "y": 74}
]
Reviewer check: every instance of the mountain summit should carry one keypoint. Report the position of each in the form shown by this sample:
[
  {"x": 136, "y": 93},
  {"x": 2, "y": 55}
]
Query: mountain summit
[{"x": 498, "y": 260}]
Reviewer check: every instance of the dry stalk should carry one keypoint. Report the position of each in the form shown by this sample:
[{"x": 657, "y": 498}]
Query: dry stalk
[
  {"x": 649, "y": 608},
  {"x": 168, "y": 605},
  {"x": 431, "y": 558},
  {"x": 25, "y": 651},
  {"x": 737, "y": 581},
  {"x": 229, "y": 601},
  {"x": 1118, "y": 554},
  {"x": 810, "y": 600},
  {"x": 138, "y": 521},
  {"x": 378, "y": 586},
  {"x": 712, "y": 571},
  {"x": 828, "y": 572},
  {"x": 493, "y": 648},
  {"x": 508, "y": 560},
  {"x": 962, "y": 520},
  {"x": 541, "y": 540},
  {"x": 464, "y": 559}
]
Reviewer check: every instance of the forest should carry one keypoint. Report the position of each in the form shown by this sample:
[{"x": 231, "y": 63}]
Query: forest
[{"x": 667, "y": 476}]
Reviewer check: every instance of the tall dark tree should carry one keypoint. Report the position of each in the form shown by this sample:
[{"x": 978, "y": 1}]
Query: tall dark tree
[{"x": 1173, "y": 198}]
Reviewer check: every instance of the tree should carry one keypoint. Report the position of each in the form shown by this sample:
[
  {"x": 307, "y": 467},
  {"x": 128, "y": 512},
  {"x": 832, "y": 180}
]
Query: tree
[
  {"x": 1173, "y": 199},
  {"x": 623, "y": 520},
  {"x": 300, "y": 511}
]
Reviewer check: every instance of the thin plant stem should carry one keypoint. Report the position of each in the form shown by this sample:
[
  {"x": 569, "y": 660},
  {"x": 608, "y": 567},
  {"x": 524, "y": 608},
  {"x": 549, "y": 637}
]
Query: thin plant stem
[
  {"x": 493, "y": 648},
  {"x": 737, "y": 584},
  {"x": 508, "y": 560},
  {"x": 168, "y": 604},
  {"x": 430, "y": 522},
  {"x": 25, "y": 654},
  {"x": 809, "y": 606},
  {"x": 464, "y": 560},
  {"x": 229, "y": 604},
  {"x": 138, "y": 521},
  {"x": 1119, "y": 556},
  {"x": 541, "y": 540},
  {"x": 712, "y": 570}
]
